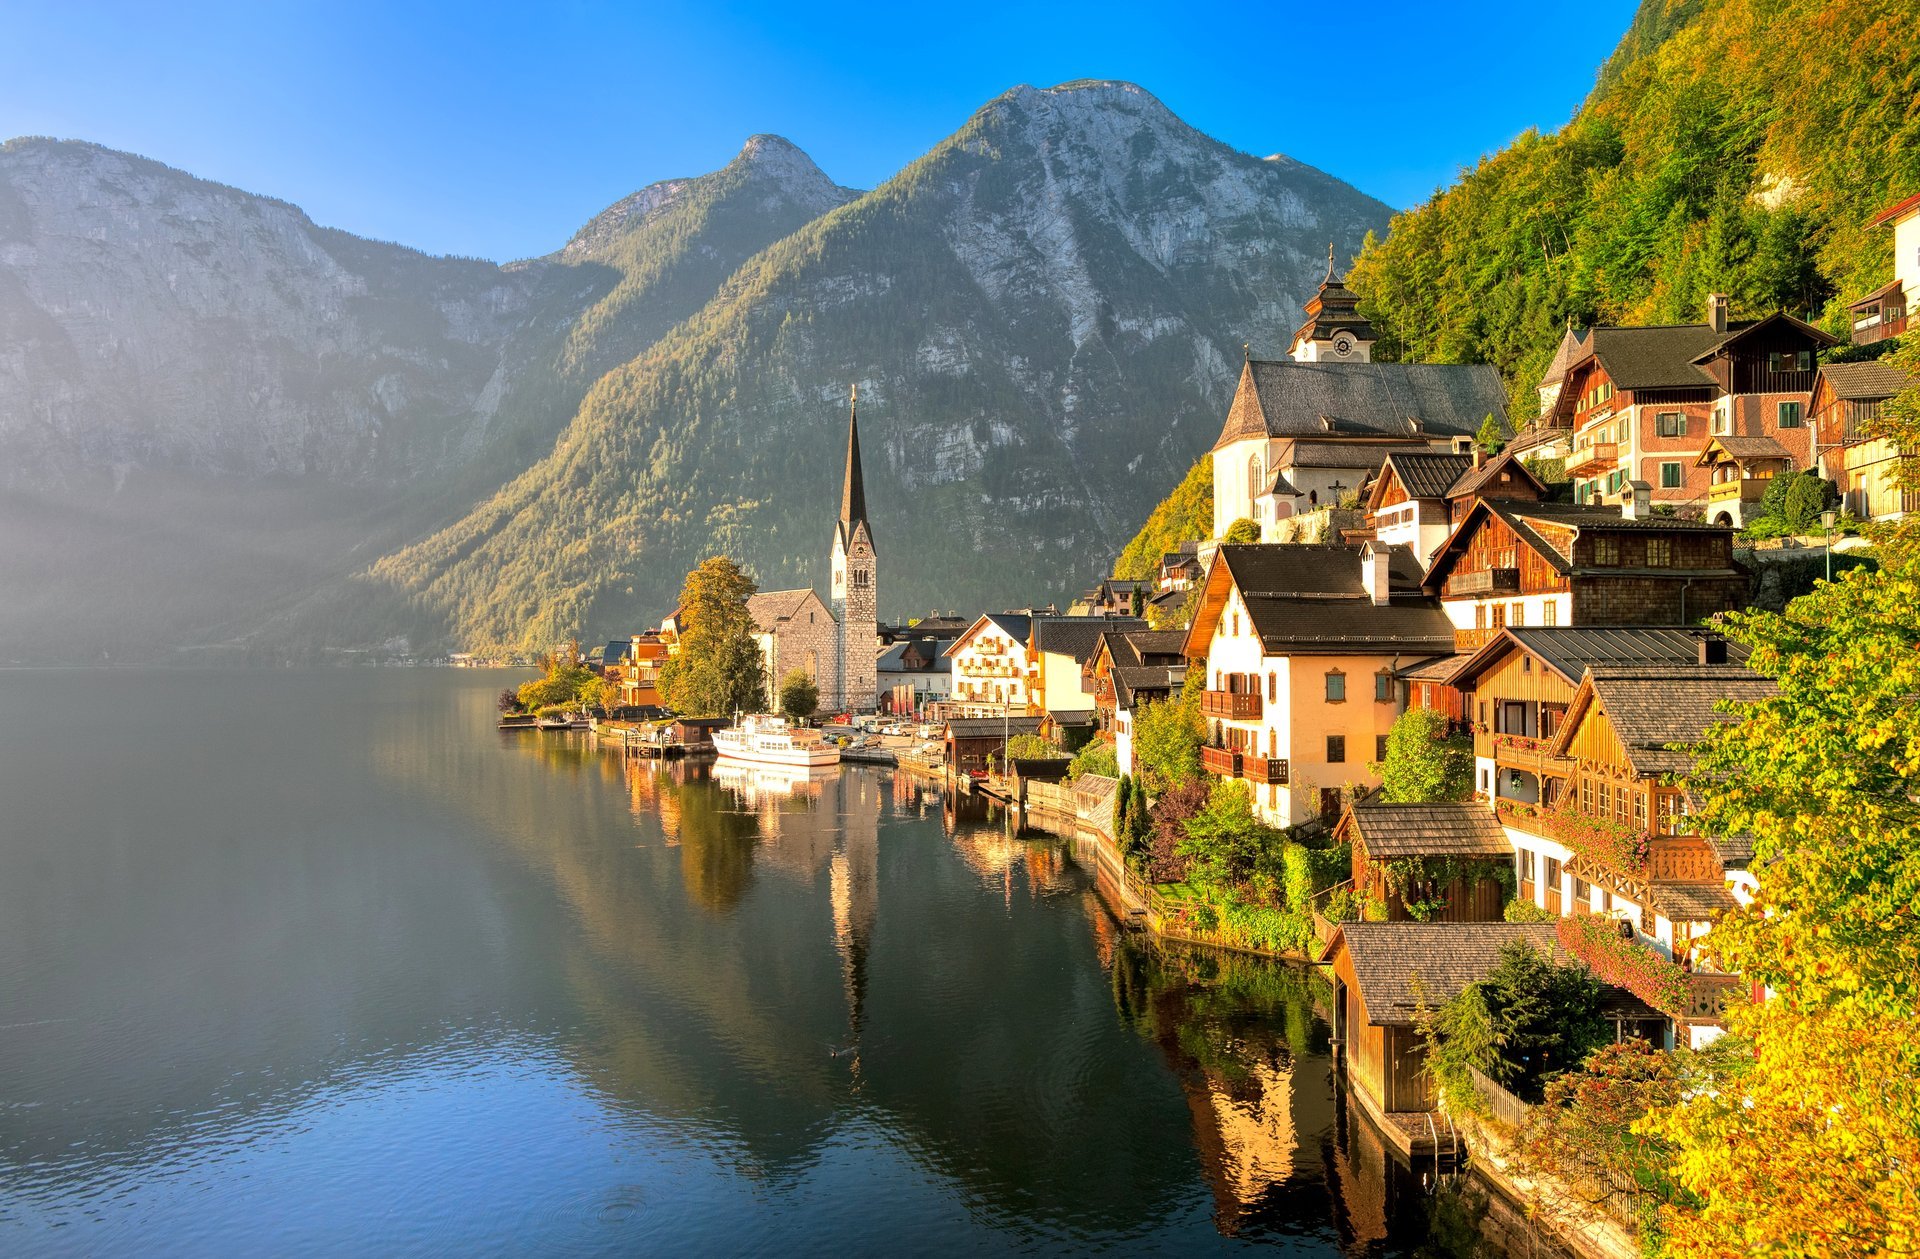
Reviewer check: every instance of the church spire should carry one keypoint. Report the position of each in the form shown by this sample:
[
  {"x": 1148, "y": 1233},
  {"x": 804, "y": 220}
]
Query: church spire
[
  {"x": 853, "y": 496},
  {"x": 1331, "y": 278}
]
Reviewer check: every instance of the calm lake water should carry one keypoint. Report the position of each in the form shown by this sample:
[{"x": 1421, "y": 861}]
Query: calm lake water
[{"x": 321, "y": 963}]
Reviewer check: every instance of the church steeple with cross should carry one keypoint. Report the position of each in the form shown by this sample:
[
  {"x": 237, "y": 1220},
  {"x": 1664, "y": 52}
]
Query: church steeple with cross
[{"x": 1335, "y": 331}]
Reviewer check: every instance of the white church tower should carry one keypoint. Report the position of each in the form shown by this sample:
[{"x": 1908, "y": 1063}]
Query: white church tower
[
  {"x": 1335, "y": 331},
  {"x": 855, "y": 582}
]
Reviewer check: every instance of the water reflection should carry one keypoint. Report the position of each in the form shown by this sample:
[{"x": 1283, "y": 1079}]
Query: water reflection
[{"x": 381, "y": 979}]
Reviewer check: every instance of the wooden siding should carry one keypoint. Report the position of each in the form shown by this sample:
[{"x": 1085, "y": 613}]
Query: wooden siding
[
  {"x": 1408, "y": 1086},
  {"x": 1468, "y": 900},
  {"x": 1513, "y": 680},
  {"x": 1641, "y": 600},
  {"x": 1493, "y": 545}
]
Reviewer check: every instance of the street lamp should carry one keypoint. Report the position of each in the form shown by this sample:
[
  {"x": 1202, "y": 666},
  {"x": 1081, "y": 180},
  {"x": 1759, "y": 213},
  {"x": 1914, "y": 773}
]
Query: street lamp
[{"x": 1826, "y": 522}]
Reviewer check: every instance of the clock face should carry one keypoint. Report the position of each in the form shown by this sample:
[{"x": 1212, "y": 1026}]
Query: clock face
[{"x": 1343, "y": 345}]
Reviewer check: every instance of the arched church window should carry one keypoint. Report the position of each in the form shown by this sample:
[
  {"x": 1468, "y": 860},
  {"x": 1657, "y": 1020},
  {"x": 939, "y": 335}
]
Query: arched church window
[{"x": 1253, "y": 479}]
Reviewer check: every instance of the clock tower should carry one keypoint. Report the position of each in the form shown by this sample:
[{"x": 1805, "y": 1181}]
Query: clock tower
[
  {"x": 1335, "y": 331},
  {"x": 856, "y": 597}
]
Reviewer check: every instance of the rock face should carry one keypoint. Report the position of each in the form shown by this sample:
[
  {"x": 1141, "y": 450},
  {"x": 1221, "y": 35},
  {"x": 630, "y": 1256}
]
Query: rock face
[
  {"x": 1045, "y": 316},
  {"x": 1044, "y": 313},
  {"x": 154, "y": 320}
]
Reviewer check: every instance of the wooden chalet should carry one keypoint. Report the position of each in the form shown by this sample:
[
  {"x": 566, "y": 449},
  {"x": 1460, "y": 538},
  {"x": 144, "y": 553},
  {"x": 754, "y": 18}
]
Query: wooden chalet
[
  {"x": 1641, "y": 402},
  {"x": 1418, "y": 498},
  {"x": 1384, "y": 974},
  {"x": 1739, "y": 470},
  {"x": 1510, "y": 563},
  {"x": 1461, "y": 837},
  {"x": 1870, "y": 470}
]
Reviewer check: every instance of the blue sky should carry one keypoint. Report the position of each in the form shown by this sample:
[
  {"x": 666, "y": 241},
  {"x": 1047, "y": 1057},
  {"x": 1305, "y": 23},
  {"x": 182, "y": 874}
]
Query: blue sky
[{"x": 495, "y": 130}]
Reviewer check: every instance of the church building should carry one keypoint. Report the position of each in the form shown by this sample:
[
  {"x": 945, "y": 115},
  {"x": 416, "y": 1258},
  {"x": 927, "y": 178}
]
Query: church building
[
  {"x": 1307, "y": 430},
  {"x": 836, "y": 641}
]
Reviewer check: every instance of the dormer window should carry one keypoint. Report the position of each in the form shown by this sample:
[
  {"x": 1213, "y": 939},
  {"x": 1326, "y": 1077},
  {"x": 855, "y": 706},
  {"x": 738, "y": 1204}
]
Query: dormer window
[{"x": 1790, "y": 360}]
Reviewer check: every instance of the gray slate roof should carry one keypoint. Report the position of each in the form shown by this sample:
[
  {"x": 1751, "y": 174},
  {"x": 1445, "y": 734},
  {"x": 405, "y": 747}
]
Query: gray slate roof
[
  {"x": 1307, "y": 599},
  {"x": 1078, "y": 636},
  {"x": 1464, "y": 829},
  {"x": 770, "y": 607},
  {"x": 1131, "y": 685},
  {"x": 1287, "y": 399},
  {"x": 1657, "y": 357},
  {"x": 1572, "y": 347},
  {"x": 991, "y": 727},
  {"x": 1570, "y": 650},
  {"x": 1428, "y": 474},
  {"x": 1473, "y": 480},
  {"x": 1864, "y": 382},
  {"x": 1402, "y": 966}
]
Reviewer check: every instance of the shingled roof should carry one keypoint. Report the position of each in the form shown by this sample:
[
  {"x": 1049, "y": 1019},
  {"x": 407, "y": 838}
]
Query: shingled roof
[
  {"x": 1864, "y": 382},
  {"x": 1743, "y": 448},
  {"x": 1522, "y": 517},
  {"x": 1464, "y": 829},
  {"x": 1692, "y": 902},
  {"x": 1656, "y": 357},
  {"x": 1403, "y": 967},
  {"x": 1651, "y": 706},
  {"x": 1308, "y": 599},
  {"x": 1078, "y": 636},
  {"x": 1146, "y": 681},
  {"x": 1506, "y": 463},
  {"x": 1570, "y": 650},
  {"x": 1405, "y": 400},
  {"x": 1426, "y": 474},
  {"x": 1572, "y": 343}
]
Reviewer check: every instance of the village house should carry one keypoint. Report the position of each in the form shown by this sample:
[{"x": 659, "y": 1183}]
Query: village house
[
  {"x": 1300, "y": 644},
  {"x": 1115, "y": 596},
  {"x": 1643, "y": 402},
  {"x": 1385, "y": 974},
  {"x": 989, "y": 664},
  {"x": 1449, "y": 854},
  {"x": 1058, "y": 687},
  {"x": 1883, "y": 312},
  {"x": 630, "y": 667},
  {"x": 1305, "y": 431},
  {"x": 1128, "y": 669},
  {"x": 1572, "y": 735},
  {"x": 1515, "y": 563},
  {"x": 973, "y": 742},
  {"x": 1418, "y": 498},
  {"x": 1179, "y": 569},
  {"x": 914, "y": 672},
  {"x": 1870, "y": 470}
]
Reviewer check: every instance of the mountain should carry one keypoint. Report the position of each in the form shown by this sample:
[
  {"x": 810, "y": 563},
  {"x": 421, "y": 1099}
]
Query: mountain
[
  {"x": 213, "y": 411},
  {"x": 1044, "y": 316},
  {"x": 1736, "y": 146}
]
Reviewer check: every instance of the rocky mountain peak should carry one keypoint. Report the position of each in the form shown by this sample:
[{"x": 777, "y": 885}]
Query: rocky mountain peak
[{"x": 778, "y": 160}]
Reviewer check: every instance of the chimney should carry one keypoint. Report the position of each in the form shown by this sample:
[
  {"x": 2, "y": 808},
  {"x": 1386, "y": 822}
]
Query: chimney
[
  {"x": 1717, "y": 311},
  {"x": 1479, "y": 456},
  {"x": 1713, "y": 651},
  {"x": 1638, "y": 504},
  {"x": 1374, "y": 578}
]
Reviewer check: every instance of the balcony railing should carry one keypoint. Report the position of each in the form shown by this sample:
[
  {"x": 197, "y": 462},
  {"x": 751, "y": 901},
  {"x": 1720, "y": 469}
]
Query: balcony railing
[
  {"x": 1741, "y": 489},
  {"x": 1486, "y": 581},
  {"x": 1599, "y": 457},
  {"x": 1264, "y": 769},
  {"x": 1521, "y": 752},
  {"x": 1708, "y": 994},
  {"x": 1874, "y": 328},
  {"x": 1224, "y": 762},
  {"x": 1465, "y": 640},
  {"x": 1233, "y": 705}
]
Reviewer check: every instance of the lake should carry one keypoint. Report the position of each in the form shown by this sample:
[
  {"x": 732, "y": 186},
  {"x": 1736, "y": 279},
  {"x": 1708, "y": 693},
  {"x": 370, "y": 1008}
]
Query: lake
[{"x": 322, "y": 963}]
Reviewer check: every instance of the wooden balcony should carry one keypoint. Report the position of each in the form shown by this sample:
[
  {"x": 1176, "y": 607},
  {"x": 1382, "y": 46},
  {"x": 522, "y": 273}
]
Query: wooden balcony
[
  {"x": 1233, "y": 705},
  {"x": 1264, "y": 769},
  {"x": 1874, "y": 328},
  {"x": 1529, "y": 755},
  {"x": 1485, "y": 582},
  {"x": 1708, "y": 994},
  {"x": 1599, "y": 457},
  {"x": 1738, "y": 490},
  {"x": 1466, "y": 640},
  {"x": 1223, "y": 762}
]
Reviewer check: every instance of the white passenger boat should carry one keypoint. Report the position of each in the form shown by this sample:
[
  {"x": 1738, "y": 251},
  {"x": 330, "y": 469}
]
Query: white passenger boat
[{"x": 765, "y": 740}]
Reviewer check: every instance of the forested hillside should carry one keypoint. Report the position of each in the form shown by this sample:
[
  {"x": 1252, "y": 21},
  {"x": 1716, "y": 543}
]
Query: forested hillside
[
  {"x": 1043, "y": 314},
  {"x": 1736, "y": 146}
]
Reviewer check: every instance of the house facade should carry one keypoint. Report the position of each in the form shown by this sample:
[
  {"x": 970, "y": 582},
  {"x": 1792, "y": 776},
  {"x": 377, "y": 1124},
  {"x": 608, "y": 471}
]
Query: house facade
[
  {"x": 1418, "y": 498},
  {"x": 989, "y": 663},
  {"x": 1883, "y": 313},
  {"x": 1523, "y": 564},
  {"x": 1870, "y": 470},
  {"x": 1298, "y": 644},
  {"x": 1641, "y": 404}
]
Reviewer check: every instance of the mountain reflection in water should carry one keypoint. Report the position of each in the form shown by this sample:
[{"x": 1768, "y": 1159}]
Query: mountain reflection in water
[{"x": 320, "y": 962}]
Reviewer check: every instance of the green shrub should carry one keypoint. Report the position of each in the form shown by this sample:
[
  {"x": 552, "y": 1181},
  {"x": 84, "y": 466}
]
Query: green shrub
[
  {"x": 1527, "y": 911},
  {"x": 1095, "y": 758}
]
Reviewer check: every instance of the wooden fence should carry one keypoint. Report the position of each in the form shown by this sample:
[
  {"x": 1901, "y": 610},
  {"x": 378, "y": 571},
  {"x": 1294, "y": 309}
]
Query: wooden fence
[{"x": 1502, "y": 1105}]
